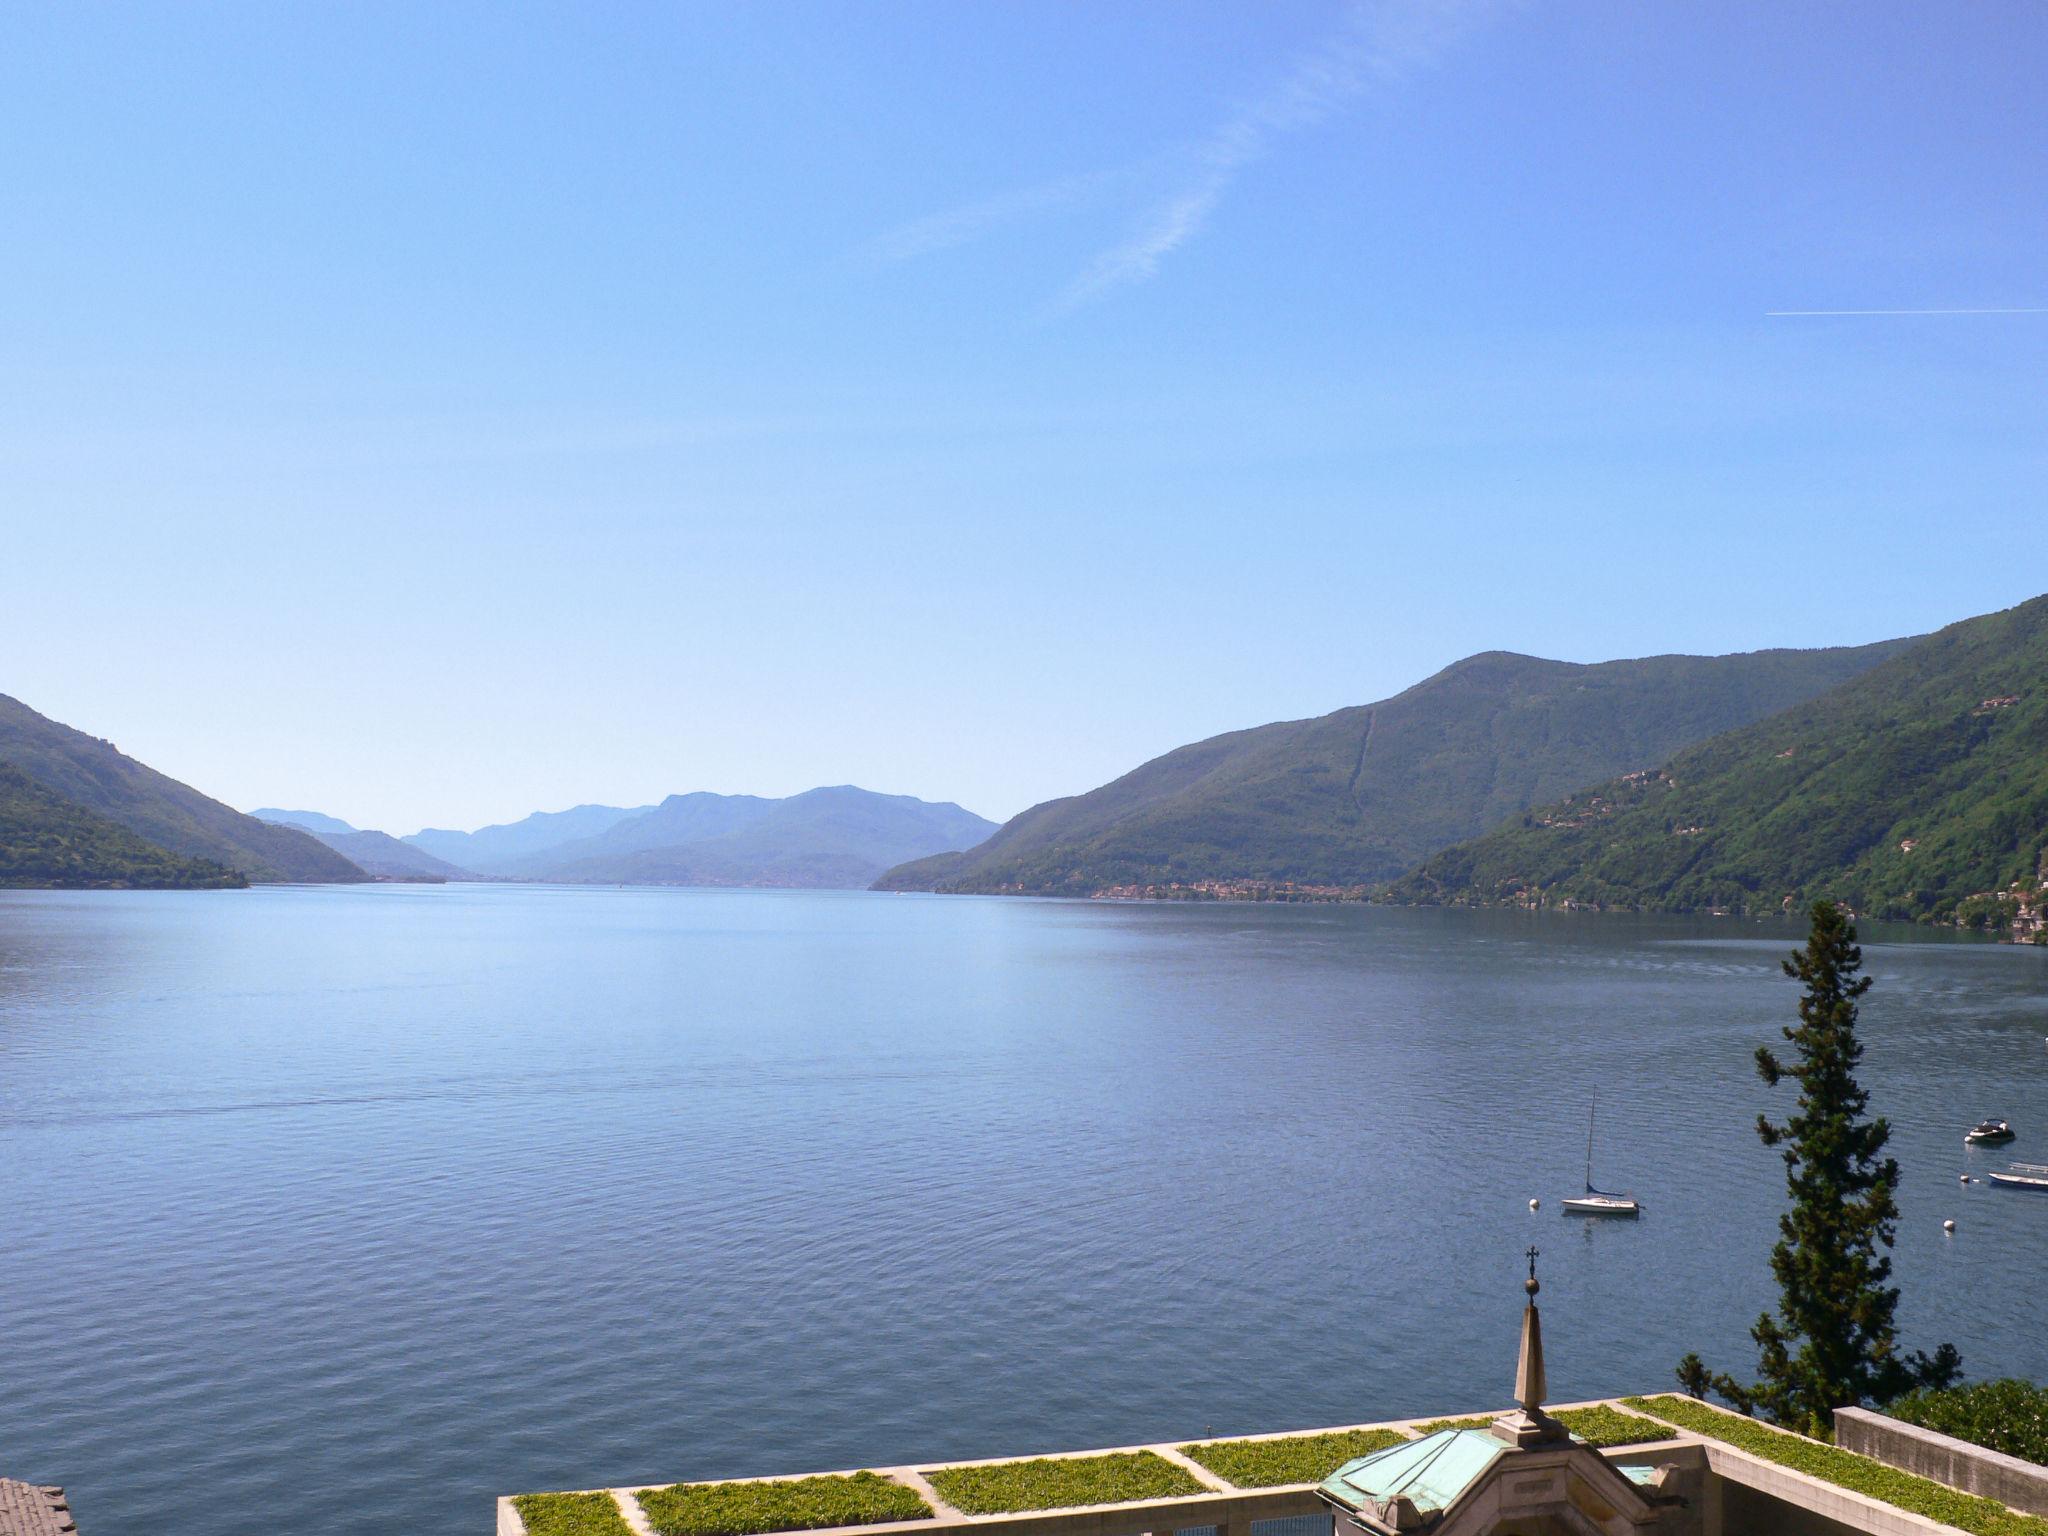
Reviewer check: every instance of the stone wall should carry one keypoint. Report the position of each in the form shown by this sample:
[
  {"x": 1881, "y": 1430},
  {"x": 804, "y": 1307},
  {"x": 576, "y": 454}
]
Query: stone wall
[
  {"x": 1958, "y": 1463},
  {"x": 1752, "y": 1512}
]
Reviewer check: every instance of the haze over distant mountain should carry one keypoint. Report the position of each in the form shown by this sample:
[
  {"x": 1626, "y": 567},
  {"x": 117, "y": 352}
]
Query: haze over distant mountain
[
  {"x": 305, "y": 821},
  {"x": 46, "y": 841},
  {"x": 94, "y": 774},
  {"x": 500, "y": 849},
  {"x": 391, "y": 858},
  {"x": 1356, "y": 797},
  {"x": 1904, "y": 792},
  {"x": 377, "y": 853},
  {"x": 840, "y": 836},
  {"x": 678, "y": 820}
]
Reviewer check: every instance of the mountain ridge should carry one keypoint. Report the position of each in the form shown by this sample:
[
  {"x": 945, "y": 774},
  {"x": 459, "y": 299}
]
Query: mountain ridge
[
  {"x": 1353, "y": 798},
  {"x": 835, "y": 836},
  {"x": 674, "y": 821},
  {"x": 315, "y": 822},
  {"x": 48, "y": 842},
  {"x": 91, "y": 772},
  {"x": 490, "y": 850},
  {"x": 378, "y": 854},
  {"x": 1909, "y": 791},
  {"x": 391, "y": 858}
]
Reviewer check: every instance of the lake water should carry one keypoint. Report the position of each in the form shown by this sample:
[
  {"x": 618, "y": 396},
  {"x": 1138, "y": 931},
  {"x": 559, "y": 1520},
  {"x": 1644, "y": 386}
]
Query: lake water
[{"x": 344, "y": 1210}]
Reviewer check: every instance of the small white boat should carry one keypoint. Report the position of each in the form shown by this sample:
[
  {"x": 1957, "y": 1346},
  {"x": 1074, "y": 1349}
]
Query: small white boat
[
  {"x": 2032, "y": 1176},
  {"x": 1598, "y": 1202},
  {"x": 1987, "y": 1133}
]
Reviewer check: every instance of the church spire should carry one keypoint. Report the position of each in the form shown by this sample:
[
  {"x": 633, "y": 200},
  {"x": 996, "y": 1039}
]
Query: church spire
[
  {"x": 1529, "y": 1424},
  {"x": 1530, "y": 1387}
]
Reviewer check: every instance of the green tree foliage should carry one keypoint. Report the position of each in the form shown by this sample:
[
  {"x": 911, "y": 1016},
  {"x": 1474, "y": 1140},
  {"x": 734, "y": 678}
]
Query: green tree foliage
[
  {"x": 45, "y": 840},
  {"x": 98, "y": 777},
  {"x": 2009, "y": 1415},
  {"x": 1833, "y": 1343}
]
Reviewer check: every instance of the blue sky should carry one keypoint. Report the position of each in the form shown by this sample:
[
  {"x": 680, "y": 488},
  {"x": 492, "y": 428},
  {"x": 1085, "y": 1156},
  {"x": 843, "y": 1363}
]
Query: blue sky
[{"x": 429, "y": 414}]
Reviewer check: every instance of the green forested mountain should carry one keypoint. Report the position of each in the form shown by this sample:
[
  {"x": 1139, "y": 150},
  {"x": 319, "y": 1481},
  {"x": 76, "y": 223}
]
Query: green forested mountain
[
  {"x": 94, "y": 774},
  {"x": 1903, "y": 792},
  {"x": 45, "y": 840},
  {"x": 1356, "y": 797}
]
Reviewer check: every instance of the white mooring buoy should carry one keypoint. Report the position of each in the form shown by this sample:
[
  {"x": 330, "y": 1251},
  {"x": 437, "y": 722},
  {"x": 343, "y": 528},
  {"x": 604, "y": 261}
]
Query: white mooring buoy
[
  {"x": 1535, "y": 1205},
  {"x": 1948, "y": 1226}
]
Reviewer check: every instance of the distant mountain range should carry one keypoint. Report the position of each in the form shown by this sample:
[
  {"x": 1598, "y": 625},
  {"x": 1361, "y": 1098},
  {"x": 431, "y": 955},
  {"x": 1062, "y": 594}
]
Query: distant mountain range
[
  {"x": 377, "y": 853},
  {"x": 1351, "y": 799},
  {"x": 834, "y": 837},
  {"x": 93, "y": 775},
  {"x": 1904, "y": 792},
  {"x": 509, "y": 847},
  {"x": 839, "y": 837},
  {"x": 305, "y": 821},
  {"x": 75, "y": 811},
  {"x": 1907, "y": 778}
]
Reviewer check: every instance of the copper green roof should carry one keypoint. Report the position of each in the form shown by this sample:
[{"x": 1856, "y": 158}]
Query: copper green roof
[{"x": 1430, "y": 1473}]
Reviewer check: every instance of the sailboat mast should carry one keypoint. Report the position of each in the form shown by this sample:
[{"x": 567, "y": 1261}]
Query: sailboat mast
[{"x": 1591, "y": 1110}]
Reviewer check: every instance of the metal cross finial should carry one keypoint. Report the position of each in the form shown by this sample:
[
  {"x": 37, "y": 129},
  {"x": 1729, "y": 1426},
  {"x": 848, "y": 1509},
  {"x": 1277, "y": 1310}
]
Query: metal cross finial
[{"x": 1532, "y": 1287}]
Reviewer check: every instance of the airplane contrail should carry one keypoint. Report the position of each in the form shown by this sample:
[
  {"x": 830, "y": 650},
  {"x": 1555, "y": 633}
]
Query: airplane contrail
[{"x": 1783, "y": 314}]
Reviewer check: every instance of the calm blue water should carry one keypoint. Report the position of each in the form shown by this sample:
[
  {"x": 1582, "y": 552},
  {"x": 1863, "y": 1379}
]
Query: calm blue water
[{"x": 344, "y": 1210}]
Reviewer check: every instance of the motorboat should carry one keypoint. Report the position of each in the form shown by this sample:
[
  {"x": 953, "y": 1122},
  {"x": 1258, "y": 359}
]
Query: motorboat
[
  {"x": 1598, "y": 1202},
  {"x": 2032, "y": 1176},
  {"x": 1987, "y": 1133}
]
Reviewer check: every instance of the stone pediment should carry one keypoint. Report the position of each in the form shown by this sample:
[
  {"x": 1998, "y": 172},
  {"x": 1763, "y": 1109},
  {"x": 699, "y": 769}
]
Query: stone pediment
[{"x": 1470, "y": 1482}]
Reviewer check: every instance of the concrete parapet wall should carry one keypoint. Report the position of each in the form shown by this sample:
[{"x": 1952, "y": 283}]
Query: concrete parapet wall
[
  {"x": 1801, "y": 1505},
  {"x": 1747, "y": 1512},
  {"x": 1972, "y": 1468}
]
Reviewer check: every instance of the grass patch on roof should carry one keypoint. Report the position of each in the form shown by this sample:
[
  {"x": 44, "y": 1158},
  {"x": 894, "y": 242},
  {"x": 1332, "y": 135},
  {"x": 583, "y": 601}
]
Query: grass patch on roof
[
  {"x": 1602, "y": 1425},
  {"x": 1062, "y": 1482},
  {"x": 571, "y": 1514},
  {"x": 1292, "y": 1459},
  {"x": 1477, "y": 1421},
  {"x": 795, "y": 1504},
  {"x": 1845, "y": 1469}
]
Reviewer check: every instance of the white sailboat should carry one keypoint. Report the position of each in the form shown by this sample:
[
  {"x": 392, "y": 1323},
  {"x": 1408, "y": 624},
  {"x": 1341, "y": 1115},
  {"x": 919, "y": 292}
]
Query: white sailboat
[{"x": 1598, "y": 1202}]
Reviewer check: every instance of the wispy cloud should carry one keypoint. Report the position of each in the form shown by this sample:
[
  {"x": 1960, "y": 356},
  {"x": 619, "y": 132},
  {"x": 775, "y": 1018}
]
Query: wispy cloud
[
  {"x": 972, "y": 221},
  {"x": 1808, "y": 314},
  {"x": 1375, "y": 45}
]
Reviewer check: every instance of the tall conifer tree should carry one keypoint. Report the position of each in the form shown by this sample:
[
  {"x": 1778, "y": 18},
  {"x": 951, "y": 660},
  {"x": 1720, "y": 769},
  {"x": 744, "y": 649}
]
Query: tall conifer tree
[{"x": 1833, "y": 1343}]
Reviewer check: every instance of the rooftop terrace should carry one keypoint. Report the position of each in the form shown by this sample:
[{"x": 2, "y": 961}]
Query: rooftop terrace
[
  {"x": 1724, "y": 1475},
  {"x": 1638, "y": 1466}
]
